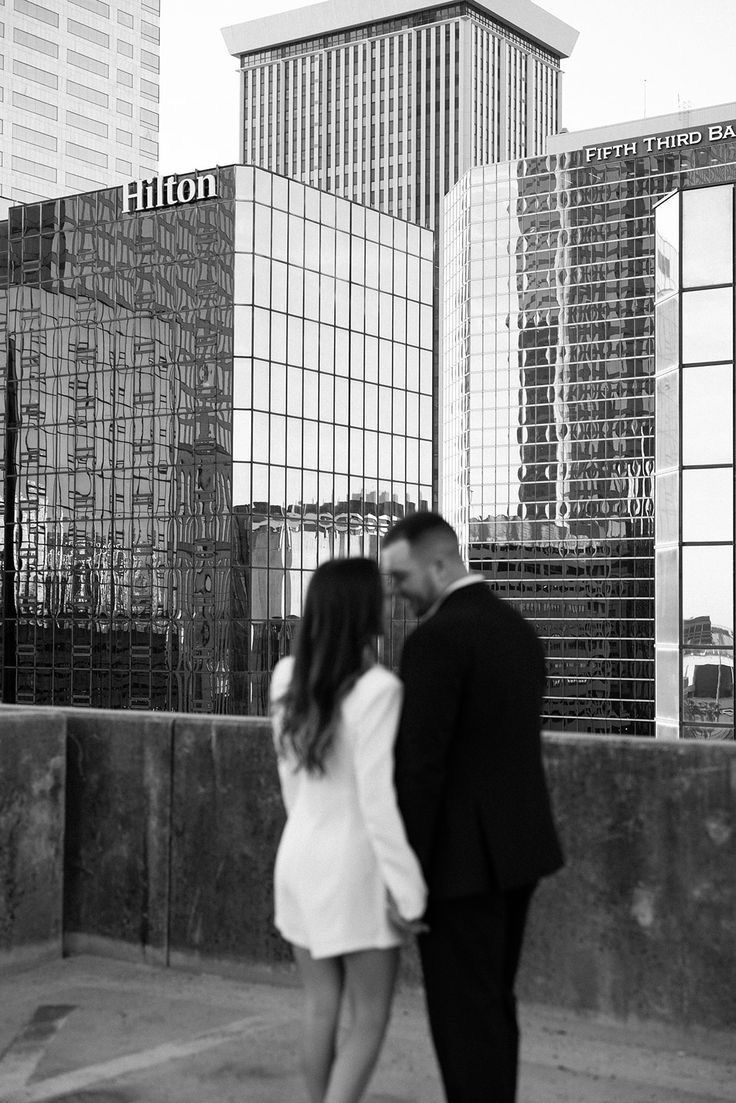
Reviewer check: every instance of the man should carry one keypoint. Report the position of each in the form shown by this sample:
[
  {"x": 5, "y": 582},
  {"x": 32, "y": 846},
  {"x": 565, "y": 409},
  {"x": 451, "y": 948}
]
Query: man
[{"x": 473, "y": 795}]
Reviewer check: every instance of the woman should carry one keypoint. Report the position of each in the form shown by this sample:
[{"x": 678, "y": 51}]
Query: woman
[{"x": 347, "y": 883}]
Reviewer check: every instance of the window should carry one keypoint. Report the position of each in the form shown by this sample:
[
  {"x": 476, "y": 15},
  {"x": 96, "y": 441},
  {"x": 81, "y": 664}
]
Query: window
[
  {"x": 125, "y": 48},
  {"x": 125, "y": 78},
  {"x": 33, "y": 137},
  {"x": 125, "y": 19},
  {"x": 149, "y": 61},
  {"x": 123, "y": 166},
  {"x": 150, "y": 32},
  {"x": 124, "y": 137},
  {"x": 88, "y": 63},
  {"x": 81, "y": 183},
  {"x": 33, "y": 42},
  {"x": 81, "y": 30},
  {"x": 125, "y": 108},
  {"x": 149, "y": 118},
  {"x": 36, "y": 11},
  {"x": 97, "y": 6},
  {"x": 36, "y": 107},
  {"x": 33, "y": 168},
  {"x": 82, "y": 153},
  {"x": 82, "y": 92},
  {"x": 39, "y": 76},
  {"x": 81, "y": 122},
  {"x": 149, "y": 90},
  {"x": 148, "y": 148}
]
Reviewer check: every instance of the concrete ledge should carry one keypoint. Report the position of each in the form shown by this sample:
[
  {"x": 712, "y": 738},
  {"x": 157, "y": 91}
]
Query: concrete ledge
[
  {"x": 118, "y": 827},
  {"x": 32, "y": 779},
  {"x": 172, "y": 823},
  {"x": 641, "y": 923},
  {"x": 226, "y": 823}
]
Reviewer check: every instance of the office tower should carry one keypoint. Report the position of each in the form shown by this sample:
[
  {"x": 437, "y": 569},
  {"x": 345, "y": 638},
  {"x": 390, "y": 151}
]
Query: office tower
[
  {"x": 547, "y": 390},
  {"x": 211, "y": 386},
  {"x": 694, "y": 465},
  {"x": 389, "y": 102},
  {"x": 79, "y": 90}
]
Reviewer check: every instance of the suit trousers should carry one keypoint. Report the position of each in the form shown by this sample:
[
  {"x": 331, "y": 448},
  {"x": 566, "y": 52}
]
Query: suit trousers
[{"x": 469, "y": 959}]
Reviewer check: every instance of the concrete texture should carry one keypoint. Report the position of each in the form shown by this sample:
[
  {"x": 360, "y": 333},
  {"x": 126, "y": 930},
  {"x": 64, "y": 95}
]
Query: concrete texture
[
  {"x": 118, "y": 829},
  {"x": 172, "y": 824},
  {"x": 642, "y": 920},
  {"x": 226, "y": 823},
  {"x": 32, "y": 752},
  {"x": 107, "y": 1032}
]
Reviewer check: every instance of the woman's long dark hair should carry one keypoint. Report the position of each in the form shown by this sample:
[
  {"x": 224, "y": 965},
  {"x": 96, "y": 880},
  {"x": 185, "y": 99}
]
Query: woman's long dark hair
[{"x": 342, "y": 617}]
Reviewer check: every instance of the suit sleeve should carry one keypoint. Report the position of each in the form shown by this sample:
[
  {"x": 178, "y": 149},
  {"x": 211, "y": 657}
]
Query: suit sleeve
[
  {"x": 374, "y": 732},
  {"x": 431, "y": 674},
  {"x": 288, "y": 777}
]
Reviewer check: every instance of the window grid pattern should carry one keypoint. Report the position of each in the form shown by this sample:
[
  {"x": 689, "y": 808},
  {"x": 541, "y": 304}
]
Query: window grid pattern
[
  {"x": 63, "y": 60},
  {"x": 374, "y": 115},
  {"x": 203, "y": 402},
  {"x": 332, "y": 395},
  {"x": 695, "y": 464},
  {"x": 547, "y": 383}
]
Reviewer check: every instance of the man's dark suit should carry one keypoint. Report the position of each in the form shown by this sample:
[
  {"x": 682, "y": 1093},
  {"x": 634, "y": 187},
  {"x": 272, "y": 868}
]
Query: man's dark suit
[{"x": 473, "y": 795}]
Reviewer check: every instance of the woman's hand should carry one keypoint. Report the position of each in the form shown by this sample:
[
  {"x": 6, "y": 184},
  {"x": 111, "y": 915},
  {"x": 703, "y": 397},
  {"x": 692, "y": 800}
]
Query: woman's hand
[{"x": 402, "y": 925}]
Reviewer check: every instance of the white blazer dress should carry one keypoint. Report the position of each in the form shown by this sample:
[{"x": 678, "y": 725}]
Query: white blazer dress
[{"x": 344, "y": 844}]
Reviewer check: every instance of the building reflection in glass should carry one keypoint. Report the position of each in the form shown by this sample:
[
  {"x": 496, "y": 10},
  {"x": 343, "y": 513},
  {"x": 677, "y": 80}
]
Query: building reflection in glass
[
  {"x": 547, "y": 378},
  {"x": 202, "y": 402},
  {"x": 695, "y": 469}
]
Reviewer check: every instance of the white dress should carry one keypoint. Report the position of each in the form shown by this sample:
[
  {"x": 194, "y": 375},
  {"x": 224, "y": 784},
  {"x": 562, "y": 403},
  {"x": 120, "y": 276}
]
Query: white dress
[{"x": 344, "y": 843}]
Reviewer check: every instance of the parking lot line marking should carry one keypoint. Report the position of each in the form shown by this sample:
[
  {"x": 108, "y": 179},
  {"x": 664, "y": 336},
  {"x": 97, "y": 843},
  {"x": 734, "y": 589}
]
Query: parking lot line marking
[
  {"x": 136, "y": 1062},
  {"x": 19, "y": 1061}
]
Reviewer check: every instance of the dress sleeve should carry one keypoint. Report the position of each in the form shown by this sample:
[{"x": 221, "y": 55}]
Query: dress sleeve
[
  {"x": 373, "y": 725},
  {"x": 289, "y": 778}
]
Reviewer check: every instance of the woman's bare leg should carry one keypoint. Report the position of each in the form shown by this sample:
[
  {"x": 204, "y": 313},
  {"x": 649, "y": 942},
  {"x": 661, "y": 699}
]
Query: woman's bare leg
[
  {"x": 323, "y": 985},
  {"x": 370, "y": 976}
]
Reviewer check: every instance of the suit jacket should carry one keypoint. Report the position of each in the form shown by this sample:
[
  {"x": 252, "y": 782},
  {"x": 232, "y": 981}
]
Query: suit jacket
[{"x": 468, "y": 766}]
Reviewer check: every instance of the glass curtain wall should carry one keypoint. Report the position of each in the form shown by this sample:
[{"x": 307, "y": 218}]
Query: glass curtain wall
[
  {"x": 695, "y": 489},
  {"x": 332, "y": 400},
  {"x": 202, "y": 403},
  {"x": 118, "y": 453},
  {"x": 547, "y": 388}
]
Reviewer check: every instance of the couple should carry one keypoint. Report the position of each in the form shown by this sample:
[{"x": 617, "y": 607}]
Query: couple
[{"x": 414, "y": 806}]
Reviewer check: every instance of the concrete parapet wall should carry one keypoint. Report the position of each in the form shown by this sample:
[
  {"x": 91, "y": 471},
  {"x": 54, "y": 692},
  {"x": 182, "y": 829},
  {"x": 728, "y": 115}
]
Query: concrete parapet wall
[
  {"x": 172, "y": 823},
  {"x": 641, "y": 923},
  {"x": 32, "y": 771},
  {"x": 118, "y": 829}
]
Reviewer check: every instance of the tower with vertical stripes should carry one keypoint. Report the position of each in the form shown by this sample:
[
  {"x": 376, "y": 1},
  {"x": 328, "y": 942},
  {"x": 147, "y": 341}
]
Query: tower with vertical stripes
[{"x": 389, "y": 102}]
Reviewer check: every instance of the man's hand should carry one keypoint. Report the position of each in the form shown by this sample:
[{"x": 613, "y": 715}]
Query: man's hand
[{"x": 403, "y": 926}]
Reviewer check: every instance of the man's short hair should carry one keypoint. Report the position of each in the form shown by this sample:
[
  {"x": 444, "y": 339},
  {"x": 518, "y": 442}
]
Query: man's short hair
[{"x": 418, "y": 527}]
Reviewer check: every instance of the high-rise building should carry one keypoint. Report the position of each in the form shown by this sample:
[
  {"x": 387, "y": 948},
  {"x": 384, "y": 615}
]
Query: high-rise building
[
  {"x": 694, "y": 461},
  {"x": 211, "y": 386},
  {"x": 79, "y": 92},
  {"x": 547, "y": 454},
  {"x": 389, "y": 102}
]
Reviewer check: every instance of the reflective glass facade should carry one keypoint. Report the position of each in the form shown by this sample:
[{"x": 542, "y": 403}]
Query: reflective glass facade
[
  {"x": 79, "y": 87},
  {"x": 695, "y": 463},
  {"x": 547, "y": 385},
  {"x": 201, "y": 402}
]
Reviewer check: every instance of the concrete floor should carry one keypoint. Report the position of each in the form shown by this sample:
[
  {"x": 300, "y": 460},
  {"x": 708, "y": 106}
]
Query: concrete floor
[{"x": 93, "y": 1030}]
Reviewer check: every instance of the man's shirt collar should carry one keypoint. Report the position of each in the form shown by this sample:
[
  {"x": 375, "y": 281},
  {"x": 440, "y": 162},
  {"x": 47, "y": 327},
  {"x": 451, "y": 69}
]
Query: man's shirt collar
[{"x": 467, "y": 580}]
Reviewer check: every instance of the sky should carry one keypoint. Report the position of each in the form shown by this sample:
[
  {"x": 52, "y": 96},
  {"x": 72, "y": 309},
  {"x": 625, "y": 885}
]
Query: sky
[{"x": 634, "y": 58}]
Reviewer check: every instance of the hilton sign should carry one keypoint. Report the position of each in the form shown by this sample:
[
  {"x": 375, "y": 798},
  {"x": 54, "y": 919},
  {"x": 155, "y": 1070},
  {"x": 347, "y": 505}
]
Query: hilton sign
[
  {"x": 717, "y": 132},
  {"x": 168, "y": 191}
]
